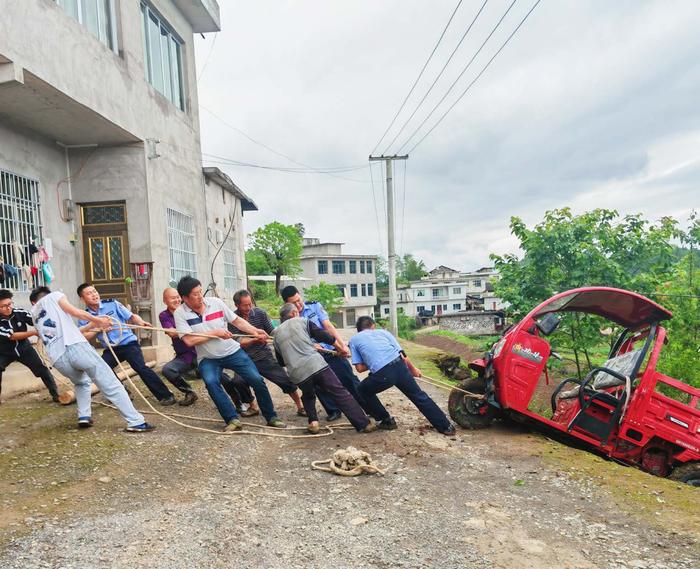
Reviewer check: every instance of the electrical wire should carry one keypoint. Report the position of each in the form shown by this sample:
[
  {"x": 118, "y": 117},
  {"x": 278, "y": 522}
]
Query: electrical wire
[
  {"x": 420, "y": 74},
  {"x": 206, "y": 61},
  {"x": 212, "y": 284},
  {"x": 437, "y": 77},
  {"x": 281, "y": 154},
  {"x": 505, "y": 43}
]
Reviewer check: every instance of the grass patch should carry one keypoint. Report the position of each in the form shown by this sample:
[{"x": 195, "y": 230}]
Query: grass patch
[
  {"x": 662, "y": 502},
  {"x": 423, "y": 358},
  {"x": 479, "y": 343}
]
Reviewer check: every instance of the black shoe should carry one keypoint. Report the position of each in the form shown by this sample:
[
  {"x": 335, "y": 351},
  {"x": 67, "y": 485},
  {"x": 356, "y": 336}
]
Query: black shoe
[
  {"x": 168, "y": 401},
  {"x": 451, "y": 432},
  {"x": 189, "y": 398},
  {"x": 84, "y": 422},
  {"x": 55, "y": 398},
  {"x": 387, "y": 424},
  {"x": 334, "y": 416}
]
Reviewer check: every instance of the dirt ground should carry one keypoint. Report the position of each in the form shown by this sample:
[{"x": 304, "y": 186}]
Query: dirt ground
[{"x": 502, "y": 497}]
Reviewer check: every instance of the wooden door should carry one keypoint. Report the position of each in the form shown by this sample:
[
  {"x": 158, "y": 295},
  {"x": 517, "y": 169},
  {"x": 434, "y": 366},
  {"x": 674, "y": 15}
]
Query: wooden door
[{"x": 106, "y": 248}]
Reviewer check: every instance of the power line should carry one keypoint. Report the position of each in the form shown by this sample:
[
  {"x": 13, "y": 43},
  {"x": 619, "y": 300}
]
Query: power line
[
  {"x": 206, "y": 61},
  {"x": 505, "y": 43},
  {"x": 464, "y": 70},
  {"x": 335, "y": 169},
  {"x": 268, "y": 148},
  {"x": 437, "y": 77},
  {"x": 410, "y": 92}
]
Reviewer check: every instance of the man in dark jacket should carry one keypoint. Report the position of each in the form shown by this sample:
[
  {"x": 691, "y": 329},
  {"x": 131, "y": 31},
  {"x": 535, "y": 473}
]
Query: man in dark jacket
[{"x": 15, "y": 345}]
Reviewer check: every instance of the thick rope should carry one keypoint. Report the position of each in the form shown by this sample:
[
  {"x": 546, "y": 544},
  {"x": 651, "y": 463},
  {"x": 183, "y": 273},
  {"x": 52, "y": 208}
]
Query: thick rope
[
  {"x": 443, "y": 385},
  {"x": 348, "y": 462},
  {"x": 202, "y": 429}
]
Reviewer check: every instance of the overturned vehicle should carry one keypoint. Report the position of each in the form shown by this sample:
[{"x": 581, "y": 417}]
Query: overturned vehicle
[{"x": 623, "y": 408}]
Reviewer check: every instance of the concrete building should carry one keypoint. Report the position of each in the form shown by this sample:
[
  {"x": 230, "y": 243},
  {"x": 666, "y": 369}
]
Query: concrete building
[
  {"x": 445, "y": 291},
  {"x": 354, "y": 275},
  {"x": 100, "y": 157}
]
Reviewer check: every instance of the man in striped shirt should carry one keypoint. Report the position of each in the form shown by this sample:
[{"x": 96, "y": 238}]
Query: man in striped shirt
[
  {"x": 15, "y": 346},
  {"x": 260, "y": 353}
]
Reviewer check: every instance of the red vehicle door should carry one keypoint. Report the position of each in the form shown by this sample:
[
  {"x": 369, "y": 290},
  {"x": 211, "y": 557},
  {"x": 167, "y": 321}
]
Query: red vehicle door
[{"x": 524, "y": 364}]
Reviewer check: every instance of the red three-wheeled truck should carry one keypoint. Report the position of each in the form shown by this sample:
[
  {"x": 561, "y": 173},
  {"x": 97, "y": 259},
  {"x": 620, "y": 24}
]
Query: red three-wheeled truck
[{"x": 624, "y": 408}]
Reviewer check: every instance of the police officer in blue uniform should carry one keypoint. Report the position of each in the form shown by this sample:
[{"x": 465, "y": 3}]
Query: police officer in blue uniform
[
  {"x": 124, "y": 342},
  {"x": 315, "y": 312}
]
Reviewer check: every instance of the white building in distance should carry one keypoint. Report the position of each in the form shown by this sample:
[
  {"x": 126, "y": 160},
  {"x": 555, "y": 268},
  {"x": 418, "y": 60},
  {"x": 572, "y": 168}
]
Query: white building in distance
[{"x": 446, "y": 291}]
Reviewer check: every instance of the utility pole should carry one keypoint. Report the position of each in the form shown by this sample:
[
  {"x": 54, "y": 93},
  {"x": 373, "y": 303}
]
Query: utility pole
[{"x": 389, "y": 161}]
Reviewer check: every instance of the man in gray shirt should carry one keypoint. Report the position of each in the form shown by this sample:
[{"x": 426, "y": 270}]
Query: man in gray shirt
[{"x": 294, "y": 342}]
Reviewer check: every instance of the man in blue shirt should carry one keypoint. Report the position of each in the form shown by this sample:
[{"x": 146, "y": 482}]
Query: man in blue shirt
[
  {"x": 124, "y": 342},
  {"x": 314, "y": 312},
  {"x": 380, "y": 353}
]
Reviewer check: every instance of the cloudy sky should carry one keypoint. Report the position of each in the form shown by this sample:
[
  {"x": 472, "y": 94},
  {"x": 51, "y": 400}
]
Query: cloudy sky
[{"x": 592, "y": 104}]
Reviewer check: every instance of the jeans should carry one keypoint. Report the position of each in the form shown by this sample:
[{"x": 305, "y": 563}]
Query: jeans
[
  {"x": 397, "y": 374},
  {"x": 174, "y": 372},
  {"x": 239, "y": 362},
  {"x": 80, "y": 363},
  {"x": 327, "y": 383},
  {"x": 31, "y": 359},
  {"x": 132, "y": 353}
]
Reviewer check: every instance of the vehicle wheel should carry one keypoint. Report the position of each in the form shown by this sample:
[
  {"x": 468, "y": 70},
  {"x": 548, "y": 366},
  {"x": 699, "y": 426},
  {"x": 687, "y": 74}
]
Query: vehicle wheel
[
  {"x": 688, "y": 473},
  {"x": 470, "y": 412}
]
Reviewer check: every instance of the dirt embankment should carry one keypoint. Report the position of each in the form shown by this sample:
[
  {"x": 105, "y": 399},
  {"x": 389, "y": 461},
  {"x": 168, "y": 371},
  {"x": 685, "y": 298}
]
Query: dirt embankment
[{"x": 467, "y": 353}]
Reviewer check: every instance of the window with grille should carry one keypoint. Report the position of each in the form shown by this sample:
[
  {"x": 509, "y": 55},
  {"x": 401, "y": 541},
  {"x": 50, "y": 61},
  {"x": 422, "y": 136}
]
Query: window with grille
[
  {"x": 229, "y": 254},
  {"x": 323, "y": 267},
  {"x": 370, "y": 289},
  {"x": 181, "y": 244},
  {"x": 95, "y": 15},
  {"x": 20, "y": 225},
  {"x": 163, "y": 56},
  {"x": 353, "y": 266},
  {"x": 338, "y": 267}
]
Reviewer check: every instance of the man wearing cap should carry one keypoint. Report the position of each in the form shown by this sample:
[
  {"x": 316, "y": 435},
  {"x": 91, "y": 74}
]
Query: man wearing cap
[
  {"x": 380, "y": 353},
  {"x": 315, "y": 312},
  {"x": 124, "y": 342}
]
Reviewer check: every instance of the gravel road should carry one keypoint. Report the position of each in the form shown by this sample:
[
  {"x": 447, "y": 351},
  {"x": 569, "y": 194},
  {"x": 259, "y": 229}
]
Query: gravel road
[{"x": 179, "y": 499}]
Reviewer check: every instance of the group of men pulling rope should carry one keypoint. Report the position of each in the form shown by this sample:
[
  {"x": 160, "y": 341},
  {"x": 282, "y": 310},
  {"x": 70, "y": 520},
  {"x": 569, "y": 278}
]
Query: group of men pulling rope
[{"x": 208, "y": 338}]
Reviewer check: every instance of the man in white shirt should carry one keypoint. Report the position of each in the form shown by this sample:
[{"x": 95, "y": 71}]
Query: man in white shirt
[
  {"x": 72, "y": 355},
  {"x": 211, "y": 316}
]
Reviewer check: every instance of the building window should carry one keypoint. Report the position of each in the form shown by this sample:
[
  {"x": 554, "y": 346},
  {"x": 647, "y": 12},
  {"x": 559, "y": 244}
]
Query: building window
[
  {"x": 386, "y": 311},
  {"x": 181, "y": 245},
  {"x": 341, "y": 289},
  {"x": 353, "y": 290},
  {"x": 364, "y": 289},
  {"x": 456, "y": 307},
  {"x": 421, "y": 292},
  {"x": 436, "y": 292},
  {"x": 369, "y": 267},
  {"x": 477, "y": 283},
  {"x": 163, "y": 57},
  {"x": 20, "y": 225},
  {"x": 444, "y": 307},
  {"x": 420, "y": 309},
  {"x": 353, "y": 267},
  {"x": 456, "y": 290},
  {"x": 323, "y": 267},
  {"x": 338, "y": 267},
  {"x": 370, "y": 289},
  {"x": 229, "y": 253},
  {"x": 95, "y": 15},
  {"x": 362, "y": 267}
]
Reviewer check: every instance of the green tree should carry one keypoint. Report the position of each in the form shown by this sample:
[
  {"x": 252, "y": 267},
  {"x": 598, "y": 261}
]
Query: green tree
[
  {"x": 409, "y": 269},
  {"x": 256, "y": 263},
  {"x": 382, "y": 272},
  {"x": 327, "y": 294},
  {"x": 280, "y": 246},
  {"x": 681, "y": 295},
  {"x": 567, "y": 251}
]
